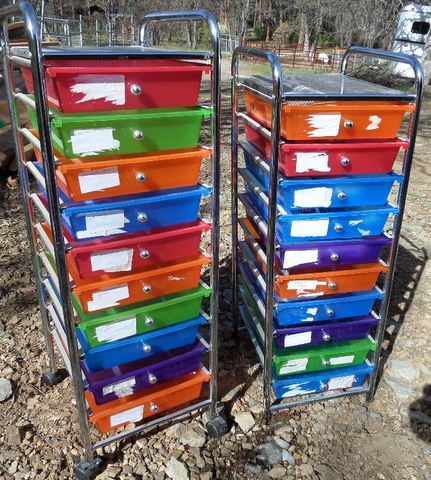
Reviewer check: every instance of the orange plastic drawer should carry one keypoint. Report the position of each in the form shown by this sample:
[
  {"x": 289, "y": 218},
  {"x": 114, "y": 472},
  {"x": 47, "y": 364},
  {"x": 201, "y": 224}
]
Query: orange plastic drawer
[
  {"x": 340, "y": 120},
  {"x": 140, "y": 406},
  {"x": 90, "y": 179},
  {"x": 112, "y": 291}
]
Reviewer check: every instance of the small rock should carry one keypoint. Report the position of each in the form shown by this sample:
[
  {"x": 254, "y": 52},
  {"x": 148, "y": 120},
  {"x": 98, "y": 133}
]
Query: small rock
[
  {"x": 5, "y": 389},
  {"x": 326, "y": 473},
  {"x": 13, "y": 434},
  {"x": 288, "y": 457},
  {"x": 176, "y": 470},
  {"x": 253, "y": 469},
  {"x": 269, "y": 453},
  {"x": 13, "y": 467},
  {"x": 401, "y": 370},
  {"x": 245, "y": 420},
  {"x": 281, "y": 443},
  {"x": 277, "y": 472},
  {"x": 307, "y": 469}
]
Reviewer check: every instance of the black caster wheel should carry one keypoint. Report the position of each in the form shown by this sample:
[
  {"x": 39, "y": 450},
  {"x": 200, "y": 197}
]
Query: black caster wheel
[
  {"x": 217, "y": 427},
  {"x": 52, "y": 378},
  {"x": 89, "y": 470}
]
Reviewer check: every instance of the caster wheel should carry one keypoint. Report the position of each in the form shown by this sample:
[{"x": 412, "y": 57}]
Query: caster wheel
[
  {"x": 52, "y": 378},
  {"x": 89, "y": 470},
  {"x": 217, "y": 427}
]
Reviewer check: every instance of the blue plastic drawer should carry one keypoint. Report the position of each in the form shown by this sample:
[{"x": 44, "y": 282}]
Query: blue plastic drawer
[
  {"x": 302, "y": 312},
  {"x": 132, "y": 213},
  {"x": 332, "y": 192},
  {"x": 319, "y": 382},
  {"x": 140, "y": 346}
]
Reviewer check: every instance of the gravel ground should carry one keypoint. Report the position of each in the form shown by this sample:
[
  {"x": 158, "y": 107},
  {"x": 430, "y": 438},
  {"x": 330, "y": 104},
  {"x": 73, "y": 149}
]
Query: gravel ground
[{"x": 341, "y": 439}]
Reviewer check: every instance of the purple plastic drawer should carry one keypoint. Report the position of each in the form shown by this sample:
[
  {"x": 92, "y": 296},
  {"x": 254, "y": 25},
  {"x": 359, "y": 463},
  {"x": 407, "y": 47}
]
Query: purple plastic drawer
[
  {"x": 331, "y": 254},
  {"x": 327, "y": 333},
  {"x": 112, "y": 383}
]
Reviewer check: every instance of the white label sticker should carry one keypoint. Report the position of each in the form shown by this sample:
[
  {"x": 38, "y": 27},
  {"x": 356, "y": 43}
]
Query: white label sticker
[
  {"x": 293, "y": 258},
  {"x": 309, "y": 228},
  {"x": 111, "y": 88},
  {"x": 312, "y": 162},
  {"x": 324, "y": 125},
  {"x": 109, "y": 297},
  {"x": 116, "y": 331},
  {"x": 297, "y": 339},
  {"x": 313, "y": 197},
  {"x": 120, "y": 388},
  {"x": 93, "y": 141},
  {"x": 112, "y": 261},
  {"x": 341, "y": 382},
  {"x": 312, "y": 311},
  {"x": 298, "y": 389},
  {"x": 304, "y": 284},
  {"x": 103, "y": 224},
  {"x": 291, "y": 366},
  {"x": 341, "y": 360},
  {"x": 97, "y": 180},
  {"x": 374, "y": 122},
  {"x": 135, "y": 414}
]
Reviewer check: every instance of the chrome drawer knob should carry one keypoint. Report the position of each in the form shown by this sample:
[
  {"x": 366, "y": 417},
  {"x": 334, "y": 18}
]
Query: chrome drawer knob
[
  {"x": 326, "y": 337},
  {"x": 338, "y": 228},
  {"x": 136, "y": 89},
  {"x": 149, "y": 322},
  {"x": 147, "y": 289},
  {"x": 138, "y": 134},
  {"x": 332, "y": 285},
  {"x": 154, "y": 408},
  {"x": 329, "y": 312},
  {"x": 152, "y": 378},
  {"x": 142, "y": 217},
  {"x": 140, "y": 177},
  {"x": 348, "y": 124},
  {"x": 345, "y": 162},
  {"x": 325, "y": 387},
  {"x": 326, "y": 363},
  {"x": 335, "y": 257},
  {"x": 342, "y": 196},
  {"x": 144, "y": 254},
  {"x": 146, "y": 348}
]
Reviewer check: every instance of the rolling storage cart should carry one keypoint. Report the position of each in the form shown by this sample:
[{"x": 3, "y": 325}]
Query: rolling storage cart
[
  {"x": 112, "y": 210},
  {"x": 309, "y": 279}
]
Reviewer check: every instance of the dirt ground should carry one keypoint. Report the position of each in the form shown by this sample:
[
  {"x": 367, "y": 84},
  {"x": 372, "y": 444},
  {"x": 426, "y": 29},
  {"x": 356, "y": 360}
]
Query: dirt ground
[{"x": 388, "y": 439}]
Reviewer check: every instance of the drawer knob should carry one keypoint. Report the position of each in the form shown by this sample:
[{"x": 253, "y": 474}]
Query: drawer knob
[
  {"x": 149, "y": 321},
  {"x": 147, "y": 289},
  {"x": 152, "y": 378},
  {"x": 326, "y": 337},
  {"x": 142, "y": 217},
  {"x": 348, "y": 124},
  {"x": 144, "y": 254},
  {"x": 325, "y": 387},
  {"x": 154, "y": 408},
  {"x": 140, "y": 177},
  {"x": 138, "y": 134},
  {"x": 326, "y": 363},
  {"x": 338, "y": 228},
  {"x": 345, "y": 162},
  {"x": 335, "y": 257},
  {"x": 146, "y": 348},
  {"x": 136, "y": 89},
  {"x": 342, "y": 196},
  {"x": 329, "y": 312},
  {"x": 332, "y": 285}
]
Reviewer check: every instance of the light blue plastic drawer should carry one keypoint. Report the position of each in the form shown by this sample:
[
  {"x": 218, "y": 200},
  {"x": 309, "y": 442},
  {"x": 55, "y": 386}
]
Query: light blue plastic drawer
[
  {"x": 325, "y": 381},
  {"x": 333, "y": 192}
]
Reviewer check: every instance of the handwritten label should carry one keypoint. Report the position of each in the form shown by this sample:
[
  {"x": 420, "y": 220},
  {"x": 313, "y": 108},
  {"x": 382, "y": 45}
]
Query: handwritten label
[
  {"x": 341, "y": 360},
  {"x": 339, "y": 383},
  {"x": 97, "y": 180},
  {"x": 117, "y": 330},
  {"x": 135, "y": 414},
  {"x": 121, "y": 389},
  {"x": 313, "y": 197},
  {"x": 309, "y": 228},
  {"x": 297, "y": 339},
  {"x": 112, "y": 261}
]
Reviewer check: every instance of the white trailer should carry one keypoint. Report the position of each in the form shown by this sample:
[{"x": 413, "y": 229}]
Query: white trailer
[{"x": 413, "y": 37}]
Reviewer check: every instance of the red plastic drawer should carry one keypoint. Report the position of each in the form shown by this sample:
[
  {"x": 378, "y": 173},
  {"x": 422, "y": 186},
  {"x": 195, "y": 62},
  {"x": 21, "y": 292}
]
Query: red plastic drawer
[
  {"x": 118, "y": 84},
  {"x": 135, "y": 252},
  {"x": 328, "y": 159}
]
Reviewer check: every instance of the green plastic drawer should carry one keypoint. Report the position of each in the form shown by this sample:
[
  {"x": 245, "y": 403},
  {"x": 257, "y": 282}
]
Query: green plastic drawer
[
  {"x": 116, "y": 323},
  {"x": 124, "y": 132},
  {"x": 322, "y": 358}
]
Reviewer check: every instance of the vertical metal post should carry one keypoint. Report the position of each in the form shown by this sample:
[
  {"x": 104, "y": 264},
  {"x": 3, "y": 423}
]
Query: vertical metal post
[
  {"x": 203, "y": 15},
  {"x": 69, "y": 34},
  {"x": 25, "y": 10},
  {"x": 272, "y": 205},
  {"x": 402, "y": 192},
  {"x": 80, "y": 31}
]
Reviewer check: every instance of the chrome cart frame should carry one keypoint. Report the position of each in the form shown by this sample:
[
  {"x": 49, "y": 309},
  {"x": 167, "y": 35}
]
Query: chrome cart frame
[
  {"x": 91, "y": 464},
  {"x": 277, "y": 98}
]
